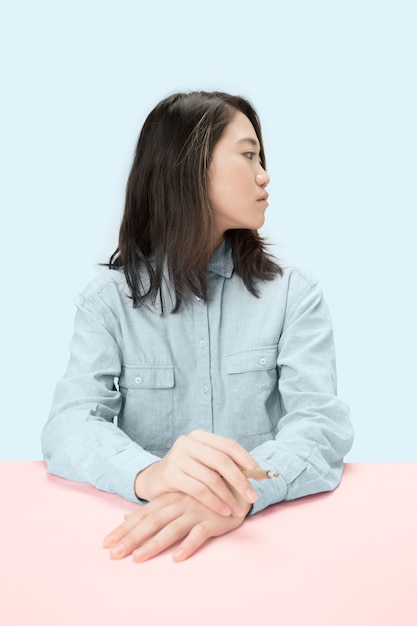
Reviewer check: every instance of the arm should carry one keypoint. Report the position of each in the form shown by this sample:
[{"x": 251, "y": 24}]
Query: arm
[
  {"x": 314, "y": 432},
  {"x": 80, "y": 440}
]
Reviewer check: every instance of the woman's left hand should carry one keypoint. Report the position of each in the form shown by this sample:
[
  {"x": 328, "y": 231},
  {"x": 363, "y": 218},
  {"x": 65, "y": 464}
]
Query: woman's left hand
[{"x": 156, "y": 526}]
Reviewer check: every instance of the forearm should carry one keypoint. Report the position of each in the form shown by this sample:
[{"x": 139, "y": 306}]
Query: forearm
[
  {"x": 80, "y": 440},
  {"x": 308, "y": 454},
  {"x": 314, "y": 431},
  {"x": 93, "y": 451}
]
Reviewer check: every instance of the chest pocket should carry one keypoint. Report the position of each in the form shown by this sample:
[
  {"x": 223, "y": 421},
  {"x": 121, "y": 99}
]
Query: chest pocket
[
  {"x": 147, "y": 408},
  {"x": 253, "y": 393},
  {"x": 152, "y": 377},
  {"x": 257, "y": 360}
]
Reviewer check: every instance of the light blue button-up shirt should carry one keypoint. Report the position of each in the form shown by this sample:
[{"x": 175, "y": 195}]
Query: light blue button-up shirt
[{"x": 258, "y": 370}]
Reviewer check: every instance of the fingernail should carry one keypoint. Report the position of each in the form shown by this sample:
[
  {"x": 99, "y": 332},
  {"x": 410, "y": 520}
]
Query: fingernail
[
  {"x": 118, "y": 550},
  {"x": 251, "y": 495},
  {"x": 109, "y": 541},
  {"x": 179, "y": 555},
  {"x": 140, "y": 554},
  {"x": 237, "y": 511},
  {"x": 225, "y": 510}
]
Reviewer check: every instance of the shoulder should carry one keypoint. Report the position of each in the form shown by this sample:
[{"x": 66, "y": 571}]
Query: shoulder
[
  {"x": 108, "y": 287},
  {"x": 297, "y": 277},
  {"x": 293, "y": 280},
  {"x": 291, "y": 291},
  {"x": 304, "y": 299}
]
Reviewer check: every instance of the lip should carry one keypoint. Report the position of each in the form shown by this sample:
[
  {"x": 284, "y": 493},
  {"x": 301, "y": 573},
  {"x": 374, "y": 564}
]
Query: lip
[{"x": 263, "y": 198}]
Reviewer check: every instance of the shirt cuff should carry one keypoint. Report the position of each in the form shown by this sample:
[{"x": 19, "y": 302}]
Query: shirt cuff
[
  {"x": 274, "y": 490},
  {"x": 127, "y": 469},
  {"x": 270, "y": 491}
]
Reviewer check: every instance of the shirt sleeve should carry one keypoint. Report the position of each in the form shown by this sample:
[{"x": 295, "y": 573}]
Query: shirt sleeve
[
  {"x": 314, "y": 432},
  {"x": 80, "y": 440}
]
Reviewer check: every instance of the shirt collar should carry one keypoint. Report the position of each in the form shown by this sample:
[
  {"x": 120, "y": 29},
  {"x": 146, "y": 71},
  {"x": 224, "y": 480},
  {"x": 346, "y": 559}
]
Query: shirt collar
[{"x": 222, "y": 260}]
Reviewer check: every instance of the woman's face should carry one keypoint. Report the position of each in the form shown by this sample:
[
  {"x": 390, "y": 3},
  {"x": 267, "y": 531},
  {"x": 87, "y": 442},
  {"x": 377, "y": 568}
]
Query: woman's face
[{"x": 236, "y": 178}]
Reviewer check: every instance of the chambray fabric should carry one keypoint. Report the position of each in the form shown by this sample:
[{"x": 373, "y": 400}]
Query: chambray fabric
[{"x": 258, "y": 370}]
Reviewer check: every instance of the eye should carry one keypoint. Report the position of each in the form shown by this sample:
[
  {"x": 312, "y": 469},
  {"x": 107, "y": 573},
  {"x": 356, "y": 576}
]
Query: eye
[{"x": 250, "y": 155}]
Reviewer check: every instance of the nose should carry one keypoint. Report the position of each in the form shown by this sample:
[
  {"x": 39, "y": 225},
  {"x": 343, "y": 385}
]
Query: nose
[{"x": 262, "y": 179}]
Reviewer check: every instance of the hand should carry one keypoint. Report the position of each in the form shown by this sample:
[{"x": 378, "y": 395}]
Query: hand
[
  {"x": 196, "y": 465},
  {"x": 152, "y": 528}
]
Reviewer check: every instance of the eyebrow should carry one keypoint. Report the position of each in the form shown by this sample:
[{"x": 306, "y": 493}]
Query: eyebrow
[{"x": 250, "y": 140}]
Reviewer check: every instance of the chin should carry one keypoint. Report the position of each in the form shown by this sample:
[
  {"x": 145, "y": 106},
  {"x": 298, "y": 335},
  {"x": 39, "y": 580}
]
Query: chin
[{"x": 259, "y": 224}]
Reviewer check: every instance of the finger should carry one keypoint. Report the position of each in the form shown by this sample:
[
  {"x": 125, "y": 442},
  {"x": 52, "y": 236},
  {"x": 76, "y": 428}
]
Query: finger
[
  {"x": 208, "y": 487},
  {"x": 201, "y": 532},
  {"x": 191, "y": 478},
  {"x": 217, "y": 497},
  {"x": 228, "y": 446},
  {"x": 120, "y": 531},
  {"x": 223, "y": 464},
  {"x": 237, "y": 481},
  {"x": 194, "y": 540},
  {"x": 166, "y": 537},
  {"x": 197, "y": 469},
  {"x": 144, "y": 527},
  {"x": 130, "y": 521}
]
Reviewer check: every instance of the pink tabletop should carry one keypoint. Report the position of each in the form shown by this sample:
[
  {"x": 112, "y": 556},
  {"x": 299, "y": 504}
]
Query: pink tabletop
[{"x": 343, "y": 558}]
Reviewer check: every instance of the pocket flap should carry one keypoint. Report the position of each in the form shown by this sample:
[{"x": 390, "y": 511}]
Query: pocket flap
[
  {"x": 149, "y": 377},
  {"x": 252, "y": 360}
]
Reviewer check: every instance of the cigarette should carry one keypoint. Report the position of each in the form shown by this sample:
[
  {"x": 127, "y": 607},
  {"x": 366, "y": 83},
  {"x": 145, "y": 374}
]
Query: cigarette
[{"x": 260, "y": 474}]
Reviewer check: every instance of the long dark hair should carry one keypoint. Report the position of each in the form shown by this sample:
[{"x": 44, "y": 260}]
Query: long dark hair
[{"x": 167, "y": 226}]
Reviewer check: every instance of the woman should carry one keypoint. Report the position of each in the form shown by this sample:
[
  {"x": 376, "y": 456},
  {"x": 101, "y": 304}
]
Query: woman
[{"x": 197, "y": 356}]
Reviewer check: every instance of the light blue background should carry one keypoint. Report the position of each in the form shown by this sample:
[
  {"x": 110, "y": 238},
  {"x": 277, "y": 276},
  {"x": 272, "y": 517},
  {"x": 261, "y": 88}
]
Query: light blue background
[{"x": 335, "y": 86}]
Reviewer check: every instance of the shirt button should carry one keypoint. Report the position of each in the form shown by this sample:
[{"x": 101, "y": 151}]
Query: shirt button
[
  {"x": 202, "y": 343},
  {"x": 138, "y": 380},
  {"x": 205, "y": 389},
  {"x": 262, "y": 360}
]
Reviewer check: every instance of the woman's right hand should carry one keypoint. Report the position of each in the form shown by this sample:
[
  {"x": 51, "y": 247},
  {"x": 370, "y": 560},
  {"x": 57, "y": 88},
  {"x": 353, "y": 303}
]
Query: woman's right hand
[{"x": 198, "y": 464}]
